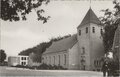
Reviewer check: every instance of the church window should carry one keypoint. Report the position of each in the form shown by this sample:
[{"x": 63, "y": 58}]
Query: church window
[
  {"x": 54, "y": 59},
  {"x": 83, "y": 50},
  {"x": 99, "y": 63},
  {"x": 93, "y": 29},
  {"x": 86, "y": 29},
  {"x": 95, "y": 63},
  {"x": 65, "y": 59},
  {"x": 79, "y": 32},
  {"x": 59, "y": 59},
  {"x": 50, "y": 60},
  {"x": 43, "y": 59}
]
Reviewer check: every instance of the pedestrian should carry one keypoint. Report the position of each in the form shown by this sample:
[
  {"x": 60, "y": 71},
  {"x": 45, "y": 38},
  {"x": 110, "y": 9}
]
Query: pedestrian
[
  {"x": 111, "y": 66},
  {"x": 105, "y": 69}
]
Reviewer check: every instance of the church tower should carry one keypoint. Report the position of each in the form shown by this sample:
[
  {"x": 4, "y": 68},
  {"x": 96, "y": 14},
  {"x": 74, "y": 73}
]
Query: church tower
[{"x": 90, "y": 42}]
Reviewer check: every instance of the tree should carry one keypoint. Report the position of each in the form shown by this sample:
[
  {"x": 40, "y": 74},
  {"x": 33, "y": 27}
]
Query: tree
[
  {"x": 110, "y": 22},
  {"x": 35, "y": 57},
  {"x": 14, "y": 10},
  {"x": 2, "y": 56}
]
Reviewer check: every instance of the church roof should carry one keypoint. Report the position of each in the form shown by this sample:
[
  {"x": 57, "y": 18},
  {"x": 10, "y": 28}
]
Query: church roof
[
  {"x": 90, "y": 17},
  {"x": 62, "y": 45}
]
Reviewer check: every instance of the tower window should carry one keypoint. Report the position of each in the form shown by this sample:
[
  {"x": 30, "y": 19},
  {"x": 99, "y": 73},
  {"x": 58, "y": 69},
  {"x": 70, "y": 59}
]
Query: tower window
[
  {"x": 86, "y": 29},
  {"x": 79, "y": 32},
  {"x": 83, "y": 51},
  {"x": 93, "y": 29}
]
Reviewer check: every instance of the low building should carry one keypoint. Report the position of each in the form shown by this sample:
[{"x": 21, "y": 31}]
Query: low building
[
  {"x": 13, "y": 60},
  {"x": 23, "y": 60},
  {"x": 17, "y": 60}
]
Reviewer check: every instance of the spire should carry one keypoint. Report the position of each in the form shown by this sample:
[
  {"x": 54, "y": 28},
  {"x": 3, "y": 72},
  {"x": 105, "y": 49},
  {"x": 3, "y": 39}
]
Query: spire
[{"x": 90, "y": 17}]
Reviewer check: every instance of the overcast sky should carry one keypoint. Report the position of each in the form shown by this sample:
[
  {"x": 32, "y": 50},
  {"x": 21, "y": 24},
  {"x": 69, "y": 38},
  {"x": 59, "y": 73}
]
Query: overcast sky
[{"x": 65, "y": 17}]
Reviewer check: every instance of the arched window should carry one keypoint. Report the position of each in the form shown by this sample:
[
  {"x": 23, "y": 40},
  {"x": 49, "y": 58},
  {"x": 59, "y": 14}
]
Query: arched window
[
  {"x": 59, "y": 59},
  {"x": 94, "y": 62},
  {"x": 65, "y": 59},
  {"x": 54, "y": 59}
]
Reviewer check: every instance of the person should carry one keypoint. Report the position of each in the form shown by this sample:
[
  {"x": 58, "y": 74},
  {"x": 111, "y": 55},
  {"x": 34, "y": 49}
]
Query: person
[
  {"x": 111, "y": 64},
  {"x": 105, "y": 69},
  {"x": 112, "y": 68}
]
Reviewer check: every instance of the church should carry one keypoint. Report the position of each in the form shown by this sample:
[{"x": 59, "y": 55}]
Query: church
[{"x": 81, "y": 51}]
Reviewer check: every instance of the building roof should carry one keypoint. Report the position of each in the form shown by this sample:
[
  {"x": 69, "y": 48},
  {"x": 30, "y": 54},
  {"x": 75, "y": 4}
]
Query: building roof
[
  {"x": 90, "y": 17},
  {"x": 62, "y": 45}
]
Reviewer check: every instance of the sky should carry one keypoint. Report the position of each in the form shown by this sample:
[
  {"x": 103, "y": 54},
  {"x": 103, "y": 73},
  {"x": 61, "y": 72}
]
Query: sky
[{"x": 65, "y": 15}]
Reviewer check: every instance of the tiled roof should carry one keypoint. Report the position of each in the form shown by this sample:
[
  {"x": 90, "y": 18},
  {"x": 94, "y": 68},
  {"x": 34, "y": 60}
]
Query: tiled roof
[
  {"x": 62, "y": 45},
  {"x": 90, "y": 17}
]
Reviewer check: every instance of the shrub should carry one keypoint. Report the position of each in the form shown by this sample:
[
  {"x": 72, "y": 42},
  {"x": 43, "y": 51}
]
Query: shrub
[
  {"x": 55, "y": 67},
  {"x": 50, "y": 67},
  {"x": 20, "y": 66},
  {"x": 43, "y": 66}
]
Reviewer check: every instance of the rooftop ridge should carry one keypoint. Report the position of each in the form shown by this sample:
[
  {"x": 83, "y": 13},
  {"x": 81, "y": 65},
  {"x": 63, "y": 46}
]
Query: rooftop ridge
[
  {"x": 90, "y": 17},
  {"x": 61, "y": 45}
]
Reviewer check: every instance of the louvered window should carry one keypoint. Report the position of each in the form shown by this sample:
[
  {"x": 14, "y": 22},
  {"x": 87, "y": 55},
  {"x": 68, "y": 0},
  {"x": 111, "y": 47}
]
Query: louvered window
[
  {"x": 79, "y": 32},
  {"x": 93, "y": 29},
  {"x": 86, "y": 29}
]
